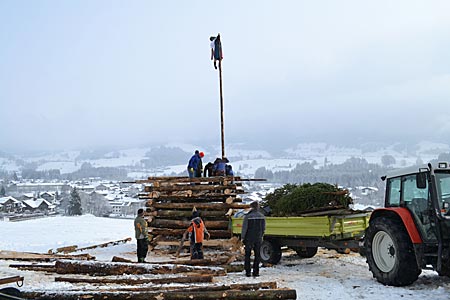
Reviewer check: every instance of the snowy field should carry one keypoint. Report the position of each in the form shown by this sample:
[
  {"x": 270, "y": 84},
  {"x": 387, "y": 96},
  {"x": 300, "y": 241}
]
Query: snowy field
[{"x": 328, "y": 275}]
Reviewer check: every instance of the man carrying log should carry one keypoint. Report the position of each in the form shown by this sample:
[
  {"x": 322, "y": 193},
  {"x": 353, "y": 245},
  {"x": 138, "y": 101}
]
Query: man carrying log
[
  {"x": 253, "y": 228},
  {"x": 196, "y": 231},
  {"x": 141, "y": 234}
]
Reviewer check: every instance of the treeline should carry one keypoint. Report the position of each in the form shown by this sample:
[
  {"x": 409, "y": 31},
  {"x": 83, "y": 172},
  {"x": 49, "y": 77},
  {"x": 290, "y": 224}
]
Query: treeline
[
  {"x": 353, "y": 172},
  {"x": 86, "y": 171},
  {"x": 165, "y": 156}
]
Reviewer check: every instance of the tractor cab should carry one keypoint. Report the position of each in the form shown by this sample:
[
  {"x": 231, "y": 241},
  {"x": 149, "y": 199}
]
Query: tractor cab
[
  {"x": 412, "y": 231},
  {"x": 426, "y": 194}
]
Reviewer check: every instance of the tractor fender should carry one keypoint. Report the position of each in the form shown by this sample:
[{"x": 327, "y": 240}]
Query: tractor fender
[{"x": 405, "y": 216}]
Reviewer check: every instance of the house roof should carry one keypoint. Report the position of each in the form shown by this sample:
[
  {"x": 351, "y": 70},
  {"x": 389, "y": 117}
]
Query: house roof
[
  {"x": 3, "y": 200},
  {"x": 36, "y": 203}
]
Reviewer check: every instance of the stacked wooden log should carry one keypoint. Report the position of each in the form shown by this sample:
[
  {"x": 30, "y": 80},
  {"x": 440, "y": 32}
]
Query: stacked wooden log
[
  {"x": 103, "y": 280},
  {"x": 171, "y": 201}
]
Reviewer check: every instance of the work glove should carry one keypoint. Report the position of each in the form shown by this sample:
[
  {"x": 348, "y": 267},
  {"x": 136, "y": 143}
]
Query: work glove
[{"x": 191, "y": 170}]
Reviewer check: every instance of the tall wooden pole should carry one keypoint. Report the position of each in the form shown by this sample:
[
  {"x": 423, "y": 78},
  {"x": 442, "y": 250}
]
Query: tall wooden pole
[{"x": 221, "y": 110}]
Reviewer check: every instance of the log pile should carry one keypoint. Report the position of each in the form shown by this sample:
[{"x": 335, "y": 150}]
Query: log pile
[
  {"x": 119, "y": 281},
  {"x": 171, "y": 200}
]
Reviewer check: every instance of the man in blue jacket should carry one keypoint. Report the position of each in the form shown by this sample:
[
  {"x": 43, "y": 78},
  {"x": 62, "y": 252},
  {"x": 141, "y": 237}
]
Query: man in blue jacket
[
  {"x": 252, "y": 233},
  {"x": 195, "y": 166}
]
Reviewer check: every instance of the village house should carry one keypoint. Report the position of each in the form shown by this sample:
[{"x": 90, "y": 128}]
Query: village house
[
  {"x": 39, "y": 205},
  {"x": 48, "y": 196},
  {"x": 10, "y": 205}
]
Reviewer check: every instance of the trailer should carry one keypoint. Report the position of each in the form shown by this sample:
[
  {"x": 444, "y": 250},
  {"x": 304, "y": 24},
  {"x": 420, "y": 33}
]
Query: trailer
[{"x": 338, "y": 230}]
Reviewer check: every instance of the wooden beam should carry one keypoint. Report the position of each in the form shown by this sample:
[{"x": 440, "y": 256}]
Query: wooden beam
[
  {"x": 105, "y": 268},
  {"x": 130, "y": 281},
  {"x": 188, "y": 187},
  {"x": 179, "y": 232},
  {"x": 190, "y": 205},
  {"x": 11, "y": 279},
  {"x": 261, "y": 294},
  {"x": 168, "y": 223}
]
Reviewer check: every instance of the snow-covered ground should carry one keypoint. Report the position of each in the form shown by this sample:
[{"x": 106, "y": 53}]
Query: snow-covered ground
[{"x": 328, "y": 275}]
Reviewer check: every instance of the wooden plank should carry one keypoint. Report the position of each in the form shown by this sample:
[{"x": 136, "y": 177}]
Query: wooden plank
[{"x": 11, "y": 279}]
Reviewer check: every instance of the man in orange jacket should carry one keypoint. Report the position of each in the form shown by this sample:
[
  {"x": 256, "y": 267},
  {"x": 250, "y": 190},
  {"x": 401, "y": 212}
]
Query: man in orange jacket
[{"x": 196, "y": 231}]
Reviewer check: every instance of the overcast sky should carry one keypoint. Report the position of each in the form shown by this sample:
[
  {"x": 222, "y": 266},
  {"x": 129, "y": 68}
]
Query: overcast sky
[{"x": 81, "y": 74}]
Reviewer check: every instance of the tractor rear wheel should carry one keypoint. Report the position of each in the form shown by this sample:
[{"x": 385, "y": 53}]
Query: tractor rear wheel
[{"x": 390, "y": 253}]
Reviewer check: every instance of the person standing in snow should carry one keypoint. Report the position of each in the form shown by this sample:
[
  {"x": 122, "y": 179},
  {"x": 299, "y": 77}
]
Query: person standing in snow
[
  {"x": 141, "y": 234},
  {"x": 252, "y": 233},
  {"x": 196, "y": 231}
]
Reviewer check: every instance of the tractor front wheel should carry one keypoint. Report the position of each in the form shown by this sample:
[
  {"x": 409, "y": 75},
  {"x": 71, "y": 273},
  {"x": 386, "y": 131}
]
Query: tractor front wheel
[{"x": 390, "y": 252}]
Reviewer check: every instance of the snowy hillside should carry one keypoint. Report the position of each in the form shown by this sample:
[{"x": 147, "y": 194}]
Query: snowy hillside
[
  {"x": 244, "y": 160},
  {"x": 328, "y": 275}
]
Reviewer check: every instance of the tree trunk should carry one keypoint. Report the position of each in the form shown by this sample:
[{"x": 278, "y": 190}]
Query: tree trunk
[
  {"x": 129, "y": 281},
  {"x": 171, "y": 295},
  {"x": 179, "y": 232},
  {"x": 164, "y": 223},
  {"x": 187, "y": 213},
  {"x": 188, "y": 187},
  {"x": 205, "y": 196},
  {"x": 191, "y": 205},
  {"x": 28, "y": 256},
  {"x": 225, "y": 244},
  {"x": 34, "y": 267},
  {"x": 104, "y": 269}
]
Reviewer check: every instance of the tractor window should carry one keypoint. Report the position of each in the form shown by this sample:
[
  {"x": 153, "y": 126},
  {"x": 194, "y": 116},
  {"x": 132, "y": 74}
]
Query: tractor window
[
  {"x": 393, "y": 192},
  {"x": 417, "y": 201},
  {"x": 443, "y": 189},
  {"x": 410, "y": 190}
]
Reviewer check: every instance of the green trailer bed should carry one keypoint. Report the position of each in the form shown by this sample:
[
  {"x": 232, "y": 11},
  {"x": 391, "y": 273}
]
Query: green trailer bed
[{"x": 304, "y": 234}]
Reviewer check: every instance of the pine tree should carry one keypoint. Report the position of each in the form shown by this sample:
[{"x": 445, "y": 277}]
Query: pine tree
[
  {"x": 2, "y": 191},
  {"x": 74, "y": 208}
]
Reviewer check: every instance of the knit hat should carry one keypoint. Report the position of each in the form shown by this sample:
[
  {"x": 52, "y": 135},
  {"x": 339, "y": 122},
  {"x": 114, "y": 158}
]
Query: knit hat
[{"x": 254, "y": 205}]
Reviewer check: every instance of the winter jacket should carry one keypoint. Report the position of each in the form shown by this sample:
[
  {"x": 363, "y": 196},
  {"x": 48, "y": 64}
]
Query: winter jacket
[
  {"x": 253, "y": 226},
  {"x": 197, "y": 230},
  {"x": 140, "y": 228},
  {"x": 194, "y": 161}
]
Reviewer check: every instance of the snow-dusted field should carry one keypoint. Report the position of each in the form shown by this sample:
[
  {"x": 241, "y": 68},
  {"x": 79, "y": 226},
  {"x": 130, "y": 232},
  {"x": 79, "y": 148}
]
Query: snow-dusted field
[{"x": 328, "y": 275}]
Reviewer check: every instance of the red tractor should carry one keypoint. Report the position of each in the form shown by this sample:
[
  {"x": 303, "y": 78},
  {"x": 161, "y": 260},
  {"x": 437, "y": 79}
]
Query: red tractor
[{"x": 412, "y": 231}]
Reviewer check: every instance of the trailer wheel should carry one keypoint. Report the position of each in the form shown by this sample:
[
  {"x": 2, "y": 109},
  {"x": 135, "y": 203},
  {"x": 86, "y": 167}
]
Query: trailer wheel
[
  {"x": 306, "y": 252},
  {"x": 390, "y": 253},
  {"x": 270, "y": 252}
]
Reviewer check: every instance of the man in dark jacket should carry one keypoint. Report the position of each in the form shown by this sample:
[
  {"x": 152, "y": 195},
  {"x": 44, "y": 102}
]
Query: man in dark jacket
[
  {"x": 253, "y": 229},
  {"x": 141, "y": 234}
]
